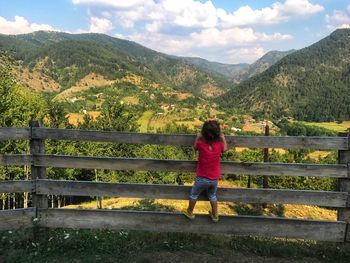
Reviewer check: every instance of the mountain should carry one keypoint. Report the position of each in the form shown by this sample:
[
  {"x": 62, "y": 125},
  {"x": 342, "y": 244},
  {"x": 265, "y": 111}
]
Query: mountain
[
  {"x": 228, "y": 70},
  {"x": 262, "y": 64},
  {"x": 242, "y": 71},
  {"x": 310, "y": 84},
  {"x": 64, "y": 59}
]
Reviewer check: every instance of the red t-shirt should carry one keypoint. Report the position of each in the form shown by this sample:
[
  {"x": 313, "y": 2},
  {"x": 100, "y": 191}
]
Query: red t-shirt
[{"x": 208, "y": 165}]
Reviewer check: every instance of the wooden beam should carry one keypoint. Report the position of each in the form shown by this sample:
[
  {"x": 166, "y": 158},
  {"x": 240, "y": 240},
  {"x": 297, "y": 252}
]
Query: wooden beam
[
  {"x": 18, "y": 218},
  {"x": 17, "y": 186},
  {"x": 285, "y": 142},
  {"x": 344, "y": 183},
  {"x": 174, "y": 222},
  {"x": 37, "y": 146},
  {"x": 243, "y": 195},
  {"x": 15, "y": 159},
  {"x": 277, "y": 169},
  {"x": 14, "y": 134}
]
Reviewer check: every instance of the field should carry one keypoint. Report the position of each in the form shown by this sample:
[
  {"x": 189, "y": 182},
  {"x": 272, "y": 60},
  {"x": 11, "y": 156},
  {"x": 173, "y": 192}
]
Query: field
[
  {"x": 334, "y": 126},
  {"x": 225, "y": 208}
]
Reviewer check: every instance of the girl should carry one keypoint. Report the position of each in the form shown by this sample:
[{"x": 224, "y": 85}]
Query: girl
[{"x": 209, "y": 144}]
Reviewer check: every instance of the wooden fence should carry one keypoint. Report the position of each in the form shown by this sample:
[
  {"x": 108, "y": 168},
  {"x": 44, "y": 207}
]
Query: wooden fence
[{"x": 40, "y": 187}]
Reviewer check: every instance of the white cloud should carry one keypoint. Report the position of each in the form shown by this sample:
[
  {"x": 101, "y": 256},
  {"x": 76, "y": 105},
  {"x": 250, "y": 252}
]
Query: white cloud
[
  {"x": 233, "y": 37},
  {"x": 278, "y": 12},
  {"x": 339, "y": 19},
  {"x": 197, "y": 14},
  {"x": 120, "y": 4},
  {"x": 211, "y": 43},
  {"x": 21, "y": 26},
  {"x": 240, "y": 55},
  {"x": 100, "y": 25},
  {"x": 198, "y": 27},
  {"x": 191, "y": 13},
  {"x": 298, "y": 7}
]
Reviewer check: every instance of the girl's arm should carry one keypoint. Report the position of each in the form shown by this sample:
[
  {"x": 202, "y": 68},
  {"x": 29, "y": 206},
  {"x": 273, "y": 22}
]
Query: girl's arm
[{"x": 223, "y": 139}]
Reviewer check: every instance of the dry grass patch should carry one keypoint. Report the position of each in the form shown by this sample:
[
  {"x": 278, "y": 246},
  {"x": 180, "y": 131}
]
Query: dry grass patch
[
  {"x": 75, "y": 118},
  {"x": 225, "y": 208},
  {"x": 318, "y": 155},
  {"x": 132, "y": 100},
  {"x": 37, "y": 81},
  {"x": 89, "y": 81}
]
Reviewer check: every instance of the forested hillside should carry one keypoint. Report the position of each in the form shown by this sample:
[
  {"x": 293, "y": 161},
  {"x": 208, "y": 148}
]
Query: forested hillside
[
  {"x": 262, "y": 64},
  {"x": 310, "y": 84},
  {"x": 229, "y": 70},
  {"x": 67, "y": 58}
]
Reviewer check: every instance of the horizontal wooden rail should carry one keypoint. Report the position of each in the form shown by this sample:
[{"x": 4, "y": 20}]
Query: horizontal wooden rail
[
  {"x": 285, "y": 142},
  {"x": 15, "y": 159},
  {"x": 18, "y": 218},
  {"x": 271, "y": 169},
  {"x": 244, "y": 195},
  {"x": 19, "y": 186},
  {"x": 14, "y": 134},
  {"x": 173, "y": 222}
]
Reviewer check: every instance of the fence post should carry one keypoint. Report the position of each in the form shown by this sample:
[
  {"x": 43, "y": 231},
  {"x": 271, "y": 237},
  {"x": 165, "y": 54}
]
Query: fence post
[
  {"x": 344, "y": 185},
  {"x": 37, "y": 146}
]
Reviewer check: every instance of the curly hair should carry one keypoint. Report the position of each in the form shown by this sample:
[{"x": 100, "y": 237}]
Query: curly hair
[{"x": 211, "y": 131}]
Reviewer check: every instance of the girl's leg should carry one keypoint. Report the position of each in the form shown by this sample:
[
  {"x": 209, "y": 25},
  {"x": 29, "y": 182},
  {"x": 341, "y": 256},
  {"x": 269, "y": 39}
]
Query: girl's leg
[
  {"x": 191, "y": 205},
  {"x": 211, "y": 192},
  {"x": 197, "y": 188},
  {"x": 214, "y": 208}
]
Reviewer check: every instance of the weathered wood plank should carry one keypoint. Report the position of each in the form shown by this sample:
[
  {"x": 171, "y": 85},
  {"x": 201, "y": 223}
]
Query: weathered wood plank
[
  {"x": 173, "y": 222},
  {"x": 277, "y": 169},
  {"x": 344, "y": 184},
  {"x": 285, "y": 142},
  {"x": 14, "y": 134},
  {"x": 37, "y": 146},
  {"x": 18, "y": 218},
  {"x": 17, "y": 186},
  {"x": 15, "y": 159},
  {"x": 244, "y": 195}
]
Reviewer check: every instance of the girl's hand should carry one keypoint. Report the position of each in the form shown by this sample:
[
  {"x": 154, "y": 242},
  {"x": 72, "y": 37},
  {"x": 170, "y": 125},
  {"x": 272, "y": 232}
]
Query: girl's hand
[{"x": 222, "y": 137}]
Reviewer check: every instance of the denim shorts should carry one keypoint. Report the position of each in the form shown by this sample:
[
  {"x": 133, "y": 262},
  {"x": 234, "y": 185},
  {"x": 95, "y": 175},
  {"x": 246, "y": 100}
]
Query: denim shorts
[{"x": 204, "y": 184}]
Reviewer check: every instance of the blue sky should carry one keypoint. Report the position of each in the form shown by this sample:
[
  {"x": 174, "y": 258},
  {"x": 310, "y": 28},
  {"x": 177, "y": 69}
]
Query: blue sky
[{"x": 218, "y": 30}]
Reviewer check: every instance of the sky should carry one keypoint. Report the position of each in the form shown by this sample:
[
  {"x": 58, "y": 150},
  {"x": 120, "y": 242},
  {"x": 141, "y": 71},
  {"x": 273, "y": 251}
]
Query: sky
[{"x": 225, "y": 31}]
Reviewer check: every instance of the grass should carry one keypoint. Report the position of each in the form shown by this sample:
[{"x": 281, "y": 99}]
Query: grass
[
  {"x": 145, "y": 120},
  {"x": 68, "y": 245}
]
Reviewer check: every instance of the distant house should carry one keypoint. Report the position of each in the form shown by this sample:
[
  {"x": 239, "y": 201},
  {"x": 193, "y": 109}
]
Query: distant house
[
  {"x": 165, "y": 107},
  {"x": 73, "y": 99},
  {"x": 234, "y": 129}
]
